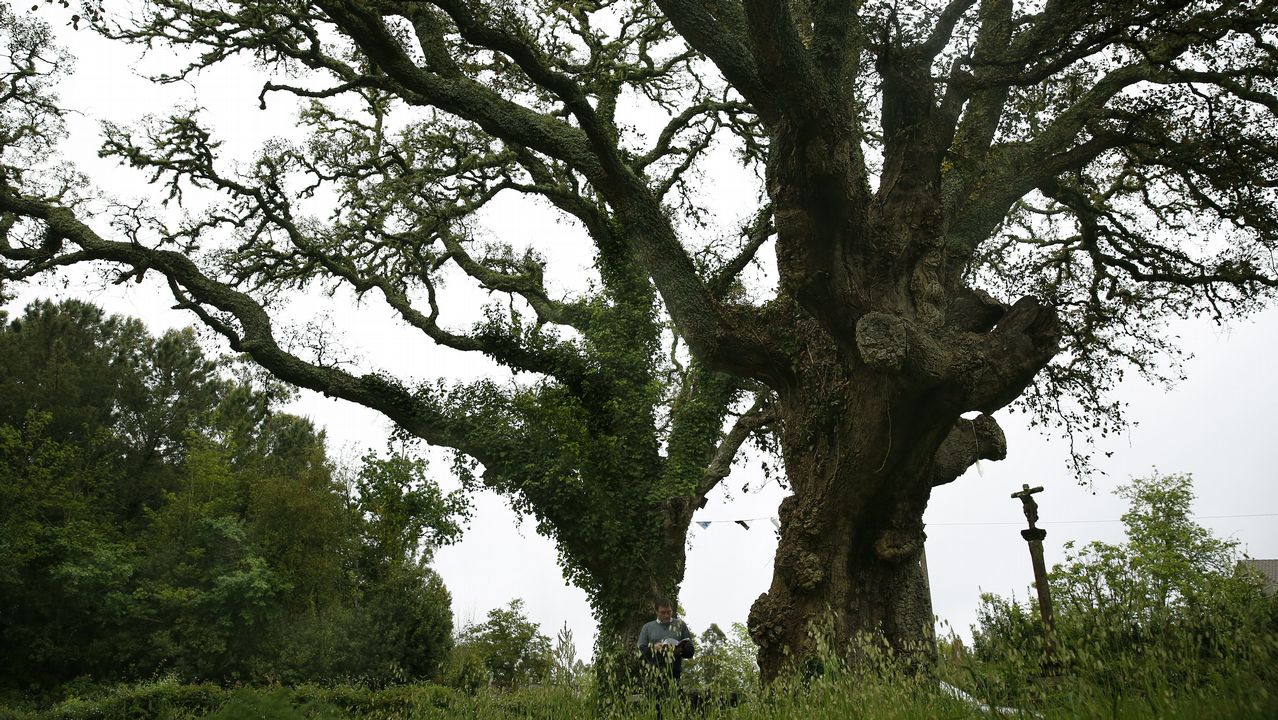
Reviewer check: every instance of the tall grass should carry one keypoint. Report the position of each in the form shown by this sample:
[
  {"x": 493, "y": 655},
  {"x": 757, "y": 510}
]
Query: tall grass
[
  {"x": 1217, "y": 657},
  {"x": 166, "y": 700},
  {"x": 1184, "y": 672},
  {"x": 835, "y": 693}
]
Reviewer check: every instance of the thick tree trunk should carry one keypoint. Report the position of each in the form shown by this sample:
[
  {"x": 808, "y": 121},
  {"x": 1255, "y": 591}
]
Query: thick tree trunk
[
  {"x": 886, "y": 349},
  {"x": 627, "y": 602},
  {"x": 621, "y": 619},
  {"x": 617, "y": 663},
  {"x": 858, "y": 452}
]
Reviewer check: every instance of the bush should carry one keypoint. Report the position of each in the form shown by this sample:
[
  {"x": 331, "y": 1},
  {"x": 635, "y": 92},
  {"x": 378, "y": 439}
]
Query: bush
[
  {"x": 465, "y": 670},
  {"x": 163, "y": 698}
]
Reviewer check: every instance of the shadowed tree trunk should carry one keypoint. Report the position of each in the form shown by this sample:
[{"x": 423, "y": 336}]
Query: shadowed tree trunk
[
  {"x": 884, "y": 348},
  {"x": 863, "y": 448}
]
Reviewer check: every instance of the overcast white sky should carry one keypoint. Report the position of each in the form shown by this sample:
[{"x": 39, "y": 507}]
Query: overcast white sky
[{"x": 1218, "y": 425}]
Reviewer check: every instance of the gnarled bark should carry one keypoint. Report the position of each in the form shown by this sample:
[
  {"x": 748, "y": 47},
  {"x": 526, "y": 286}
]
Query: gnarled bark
[{"x": 865, "y": 439}]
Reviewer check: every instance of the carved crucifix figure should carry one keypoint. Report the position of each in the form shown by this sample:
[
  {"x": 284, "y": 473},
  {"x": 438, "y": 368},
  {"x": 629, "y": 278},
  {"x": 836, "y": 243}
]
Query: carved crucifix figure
[
  {"x": 1034, "y": 535},
  {"x": 1026, "y": 494}
]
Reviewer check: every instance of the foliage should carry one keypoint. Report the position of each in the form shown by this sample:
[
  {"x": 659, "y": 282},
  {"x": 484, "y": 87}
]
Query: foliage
[
  {"x": 157, "y": 516},
  {"x": 405, "y": 515},
  {"x": 1169, "y": 611},
  {"x": 465, "y": 670},
  {"x": 404, "y": 627},
  {"x": 275, "y": 705},
  {"x": 565, "y": 669},
  {"x": 725, "y": 663},
  {"x": 511, "y": 647},
  {"x": 841, "y": 695}
]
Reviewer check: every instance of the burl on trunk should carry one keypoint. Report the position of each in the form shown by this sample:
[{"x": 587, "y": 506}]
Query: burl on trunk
[{"x": 865, "y": 439}]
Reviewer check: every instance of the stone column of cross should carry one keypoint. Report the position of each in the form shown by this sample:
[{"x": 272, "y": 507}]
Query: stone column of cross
[{"x": 1034, "y": 536}]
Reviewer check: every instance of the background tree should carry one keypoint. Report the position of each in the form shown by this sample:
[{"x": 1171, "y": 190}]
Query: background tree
[
  {"x": 615, "y": 443},
  {"x": 60, "y": 558},
  {"x": 157, "y": 516},
  {"x": 566, "y": 670},
  {"x": 402, "y": 516},
  {"x": 726, "y": 663},
  {"x": 960, "y": 193},
  {"x": 512, "y": 648}
]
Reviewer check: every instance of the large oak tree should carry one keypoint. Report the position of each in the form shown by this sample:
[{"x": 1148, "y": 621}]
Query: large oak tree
[{"x": 971, "y": 202}]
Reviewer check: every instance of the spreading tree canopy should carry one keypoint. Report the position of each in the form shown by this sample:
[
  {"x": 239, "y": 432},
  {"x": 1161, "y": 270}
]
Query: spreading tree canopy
[{"x": 970, "y": 202}]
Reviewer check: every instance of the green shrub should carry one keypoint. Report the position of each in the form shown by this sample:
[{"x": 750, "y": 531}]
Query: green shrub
[
  {"x": 274, "y": 705},
  {"x": 164, "y": 698},
  {"x": 465, "y": 670}
]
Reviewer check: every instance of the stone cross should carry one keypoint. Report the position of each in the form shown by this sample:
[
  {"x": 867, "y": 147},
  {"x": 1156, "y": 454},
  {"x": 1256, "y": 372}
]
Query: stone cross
[
  {"x": 1026, "y": 494},
  {"x": 1034, "y": 536}
]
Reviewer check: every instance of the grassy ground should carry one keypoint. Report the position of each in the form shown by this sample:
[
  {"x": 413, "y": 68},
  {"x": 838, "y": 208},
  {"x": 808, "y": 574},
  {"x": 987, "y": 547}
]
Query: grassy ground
[{"x": 840, "y": 697}]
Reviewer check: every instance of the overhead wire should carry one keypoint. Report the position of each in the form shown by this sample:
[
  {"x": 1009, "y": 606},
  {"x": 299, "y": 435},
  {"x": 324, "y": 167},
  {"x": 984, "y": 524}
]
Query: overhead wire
[{"x": 703, "y": 523}]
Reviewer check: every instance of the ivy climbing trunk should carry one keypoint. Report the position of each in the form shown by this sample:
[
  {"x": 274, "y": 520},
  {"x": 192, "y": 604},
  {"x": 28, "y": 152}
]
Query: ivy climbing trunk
[{"x": 627, "y": 602}]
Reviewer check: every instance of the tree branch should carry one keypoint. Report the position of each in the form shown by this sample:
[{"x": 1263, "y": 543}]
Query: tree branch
[
  {"x": 784, "y": 64},
  {"x": 753, "y": 420},
  {"x": 721, "y": 34},
  {"x": 994, "y": 368},
  {"x": 485, "y": 33},
  {"x": 758, "y": 233},
  {"x": 510, "y": 121},
  {"x": 417, "y": 413},
  {"x": 969, "y": 441},
  {"x": 943, "y": 30}
]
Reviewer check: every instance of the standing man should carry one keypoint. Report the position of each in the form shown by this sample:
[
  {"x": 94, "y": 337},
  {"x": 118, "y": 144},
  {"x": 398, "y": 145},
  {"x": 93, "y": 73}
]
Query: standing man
[{"x": 666, "y": 641}]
